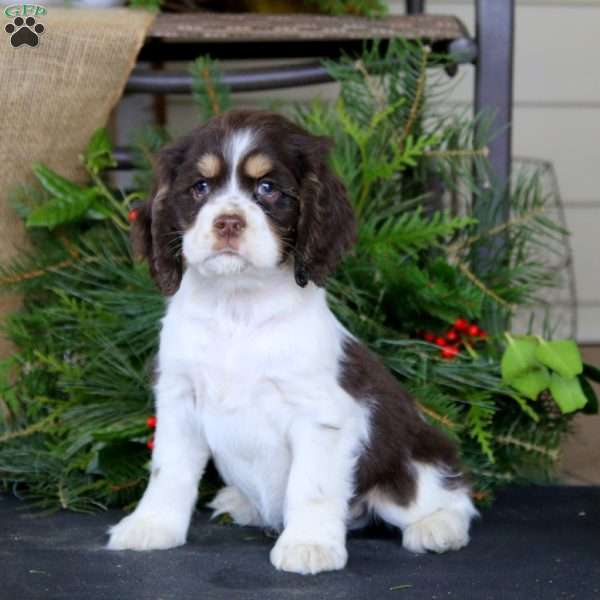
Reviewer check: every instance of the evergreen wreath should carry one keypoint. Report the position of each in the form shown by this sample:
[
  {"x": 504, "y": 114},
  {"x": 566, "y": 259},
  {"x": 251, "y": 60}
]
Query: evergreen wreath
[{"x": 75, "y": 398}]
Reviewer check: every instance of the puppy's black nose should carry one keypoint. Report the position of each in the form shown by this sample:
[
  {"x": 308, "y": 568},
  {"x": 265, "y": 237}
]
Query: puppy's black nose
[{"x": 229, "y": 226}]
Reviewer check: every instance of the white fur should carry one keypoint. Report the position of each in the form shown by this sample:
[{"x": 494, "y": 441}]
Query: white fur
[
  {"x": 237, "y": 368},
  {"x": 231, "y": 501},
  {"x": 437, "y": 519},
  {"x": 258, "y": 246},
  {"x": 248, "y": 374}
]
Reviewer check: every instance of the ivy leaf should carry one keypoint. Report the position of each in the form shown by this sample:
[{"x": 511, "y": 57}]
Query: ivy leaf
[
  {"x": 567, "y": 393},
  {"x": 562, "y": 356},
  {"x": 98, "y": 154},
  {"x": 518, "y": 358},
  {"x": 532, "y": 383}
]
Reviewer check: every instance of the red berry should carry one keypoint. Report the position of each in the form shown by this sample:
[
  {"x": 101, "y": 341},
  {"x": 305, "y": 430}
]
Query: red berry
[
  {"x": 151, "y": 422},
  {"x": 440, "y": 341},
  {"x": 450, "y": 352},
  {"x": 461, "y": 324},
  {"x": 473, "y": 330},
  {"x": 452, "y": 336},
  {"x": 428, "y": 336},
  {"x": 482, "y": 333},
  {"x": 132, "y": 215},
  {"x": 150, "y": 442}
]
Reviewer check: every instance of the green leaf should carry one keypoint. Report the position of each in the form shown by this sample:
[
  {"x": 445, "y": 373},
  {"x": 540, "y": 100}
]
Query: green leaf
[
  {"x": 69, "y": 201},
  {"x": 591, "y": 408},
  {"x": 98, "y": 154},
  {"x": 518, "y": 358},
  {"x": 532, "y": 383},
  {"x": 567, "y": 393},
  {"x": 591, "y": 372},
  {"x": 54, "y": 183},
  {"x": 99, "y": 209},
  {"x": 562, "y": 356},
  {"x": 62, "y": 209}
]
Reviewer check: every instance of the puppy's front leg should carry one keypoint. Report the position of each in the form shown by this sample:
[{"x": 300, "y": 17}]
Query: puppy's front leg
[
  {"x": 319, "y": 489},
  {"x": 162, "y": 517}
]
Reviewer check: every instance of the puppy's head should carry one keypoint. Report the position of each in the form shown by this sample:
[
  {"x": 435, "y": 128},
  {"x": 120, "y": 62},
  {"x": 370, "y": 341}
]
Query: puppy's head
[{"x": 247, "y": 191}]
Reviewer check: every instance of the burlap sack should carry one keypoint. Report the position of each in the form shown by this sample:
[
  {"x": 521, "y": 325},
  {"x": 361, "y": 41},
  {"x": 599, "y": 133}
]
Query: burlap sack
[{"x": 54, "y": 95}]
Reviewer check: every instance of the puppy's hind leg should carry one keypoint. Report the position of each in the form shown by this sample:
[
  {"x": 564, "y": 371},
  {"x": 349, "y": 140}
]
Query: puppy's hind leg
[
  {"x": 230, "y": 500},
  {"x": 438, "y": 517}
]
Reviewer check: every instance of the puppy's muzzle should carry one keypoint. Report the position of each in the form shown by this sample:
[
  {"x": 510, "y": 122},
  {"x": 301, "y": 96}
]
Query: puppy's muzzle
[{"x": 229, "y": 227}]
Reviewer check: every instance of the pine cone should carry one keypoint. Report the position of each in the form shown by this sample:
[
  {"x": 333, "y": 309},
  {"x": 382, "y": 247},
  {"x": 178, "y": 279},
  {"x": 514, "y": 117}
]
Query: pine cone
[{"x": 551, "y": 408}]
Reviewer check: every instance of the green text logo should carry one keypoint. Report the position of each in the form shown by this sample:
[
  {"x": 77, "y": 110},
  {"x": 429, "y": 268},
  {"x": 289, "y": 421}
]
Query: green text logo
[{"x": 24, "y": 10}]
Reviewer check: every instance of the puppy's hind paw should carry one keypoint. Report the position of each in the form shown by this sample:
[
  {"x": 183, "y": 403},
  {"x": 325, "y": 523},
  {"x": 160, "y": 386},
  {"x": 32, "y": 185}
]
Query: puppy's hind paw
[
  {"x": 231, "y": 501},
  {"x": 144, "y": 532},
  {"x": 306, "y": 558},
  {"x": 439, "y": 532}
]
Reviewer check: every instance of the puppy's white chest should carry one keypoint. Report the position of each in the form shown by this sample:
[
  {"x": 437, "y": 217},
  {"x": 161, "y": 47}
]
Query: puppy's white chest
[
  {"x": 231, "y": 370},
  {"x": 249, "y": 446}
]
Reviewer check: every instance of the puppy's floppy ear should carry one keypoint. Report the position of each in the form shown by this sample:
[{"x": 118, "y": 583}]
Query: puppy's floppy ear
[
  {"x": 155, "y": 233},
  {"x": 326, "y": 226}
]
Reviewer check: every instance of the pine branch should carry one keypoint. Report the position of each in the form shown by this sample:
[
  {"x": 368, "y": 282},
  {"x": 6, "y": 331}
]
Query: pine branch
[
  {"x": 418, "y": 97},
  {"x": 466, "y": 153},
  {"x": 483, "y": 287},
  {"x": 19, "y": 278},
  {"x": 551, "y": 453},
  {"x": 209, "y": 94},
  {"x": 445, "y": 421}
]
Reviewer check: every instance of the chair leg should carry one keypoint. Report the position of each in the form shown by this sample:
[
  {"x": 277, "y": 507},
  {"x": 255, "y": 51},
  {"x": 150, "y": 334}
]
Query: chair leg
[
  {"x": 415, "y": 7},
  {"x": 494, "y": 93}
]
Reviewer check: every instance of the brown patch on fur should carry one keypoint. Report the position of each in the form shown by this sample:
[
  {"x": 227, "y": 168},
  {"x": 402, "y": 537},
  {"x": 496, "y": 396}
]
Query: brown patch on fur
[
  {"x": 327, "y": 226},
  {"x": 154, "y": 238},
  {"x": 209, "y": 165},
  {"x": 258, "y": 165},
  {"x": 399, "y": 435}
]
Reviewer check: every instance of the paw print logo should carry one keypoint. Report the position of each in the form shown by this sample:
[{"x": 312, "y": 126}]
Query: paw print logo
[{"x": 24, "y": 31}]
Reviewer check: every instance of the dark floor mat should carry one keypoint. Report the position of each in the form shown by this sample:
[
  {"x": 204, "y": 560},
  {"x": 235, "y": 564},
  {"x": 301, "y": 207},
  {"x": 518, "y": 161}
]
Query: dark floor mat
[{"x": 535, "y": 543}]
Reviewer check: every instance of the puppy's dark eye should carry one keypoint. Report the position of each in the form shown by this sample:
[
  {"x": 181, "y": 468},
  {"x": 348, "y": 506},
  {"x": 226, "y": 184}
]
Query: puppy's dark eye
[
  {"x": 265, "y": 190},
  {"x": 200, "y": 189}
]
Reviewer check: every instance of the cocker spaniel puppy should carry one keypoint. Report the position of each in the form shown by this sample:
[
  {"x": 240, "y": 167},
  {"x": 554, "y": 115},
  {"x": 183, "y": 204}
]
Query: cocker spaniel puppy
[{"x": 308, "y": 429}]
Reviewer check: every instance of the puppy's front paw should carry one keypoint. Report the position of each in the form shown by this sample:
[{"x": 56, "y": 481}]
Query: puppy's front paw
[
  {"x": 145, "y": 532},
  {"x": 307, "y": 558}
]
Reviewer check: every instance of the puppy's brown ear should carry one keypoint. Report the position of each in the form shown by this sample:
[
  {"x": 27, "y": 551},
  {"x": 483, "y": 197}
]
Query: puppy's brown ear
[
  {"x": 155, "y": 233},
  {"x": 326, "y": 226}
]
